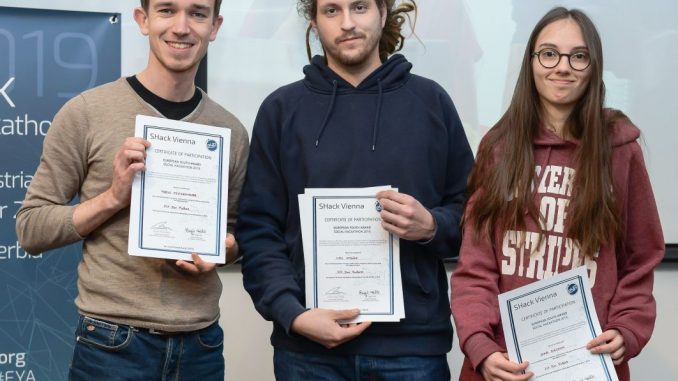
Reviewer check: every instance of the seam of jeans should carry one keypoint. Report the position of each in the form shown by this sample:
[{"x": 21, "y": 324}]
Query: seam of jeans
[
  {"x": 356, "y": 366},
  {"x": 181, "y": 352},
  {"x": 168, "y": 355}
]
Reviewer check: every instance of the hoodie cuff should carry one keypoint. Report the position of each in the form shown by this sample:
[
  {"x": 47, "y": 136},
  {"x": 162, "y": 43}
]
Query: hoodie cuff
[
  {"x": 478, "y": 347},
  {"x": 439, "y": 243},
  {"x": 632, "y": 348},
  {"x": 435, "y": 230},
  {"x": 286, "y": 308}
]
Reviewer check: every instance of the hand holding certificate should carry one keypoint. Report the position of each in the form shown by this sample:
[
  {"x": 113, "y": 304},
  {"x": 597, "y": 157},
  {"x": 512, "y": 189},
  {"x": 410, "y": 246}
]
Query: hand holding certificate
[
  {"x": 549, "y": 323},
  {"x": 351, "y": 261},
  {"x": 179, "y": 203}
]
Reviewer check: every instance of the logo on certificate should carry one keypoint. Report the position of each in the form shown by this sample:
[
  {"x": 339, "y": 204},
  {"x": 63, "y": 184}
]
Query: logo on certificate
[
  {"x": 377, "y": 206},
  {"x": 211, "y": 145},
  {"x": 572, "y": 288}
]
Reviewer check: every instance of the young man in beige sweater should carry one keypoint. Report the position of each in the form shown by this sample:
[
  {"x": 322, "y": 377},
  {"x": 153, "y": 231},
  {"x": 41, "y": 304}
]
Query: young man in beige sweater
[{"x": 141, "y": 318}]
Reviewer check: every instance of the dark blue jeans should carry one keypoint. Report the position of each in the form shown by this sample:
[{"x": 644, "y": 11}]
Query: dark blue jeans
[
  {"x": 291, "y": 366},
  {"x": 106, "y": 351}
]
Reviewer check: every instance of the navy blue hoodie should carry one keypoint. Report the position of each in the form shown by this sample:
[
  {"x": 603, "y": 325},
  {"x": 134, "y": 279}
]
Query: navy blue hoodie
[{"x": 395, "y": 128}]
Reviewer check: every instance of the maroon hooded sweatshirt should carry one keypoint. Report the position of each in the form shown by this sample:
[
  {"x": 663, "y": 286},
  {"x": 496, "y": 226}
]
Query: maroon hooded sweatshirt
[{"x": 621, "y": 275}]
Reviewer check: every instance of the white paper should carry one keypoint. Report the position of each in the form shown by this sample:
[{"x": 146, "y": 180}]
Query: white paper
[
  {"x": 351, "y": 261},
  {"x": 180, "y": 202},
  {"x": 549, "y": 323}
]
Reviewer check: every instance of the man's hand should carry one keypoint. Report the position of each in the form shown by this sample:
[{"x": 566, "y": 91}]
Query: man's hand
[
  {"x": 610, "y": 341},
  {"x": 128, "y": 161},
  {"x": 322, "y": 326},
  {"x": 497, "y": 367},
  {"x": 231, "y": 248},
  {"x": 198, "y": 266},
  {"x": 405, "y": 217}
]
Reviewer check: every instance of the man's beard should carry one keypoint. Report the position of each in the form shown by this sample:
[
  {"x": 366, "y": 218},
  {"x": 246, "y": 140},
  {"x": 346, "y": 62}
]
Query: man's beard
[{"x": 356, "y": 59}]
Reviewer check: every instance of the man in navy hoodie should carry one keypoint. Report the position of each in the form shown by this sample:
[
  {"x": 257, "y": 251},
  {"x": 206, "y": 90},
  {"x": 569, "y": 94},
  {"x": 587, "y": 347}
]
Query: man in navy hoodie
[{"x": 359, "y": 118}]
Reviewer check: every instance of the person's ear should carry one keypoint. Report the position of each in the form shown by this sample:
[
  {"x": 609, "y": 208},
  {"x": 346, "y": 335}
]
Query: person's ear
[
  {"x": 141, "y": 17},
  {"x": 216, "y": 25}
]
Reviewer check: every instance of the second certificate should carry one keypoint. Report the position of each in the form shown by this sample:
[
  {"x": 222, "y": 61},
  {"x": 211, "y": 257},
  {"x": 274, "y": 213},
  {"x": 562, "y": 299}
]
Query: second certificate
[{"x": 353, "y": 256}]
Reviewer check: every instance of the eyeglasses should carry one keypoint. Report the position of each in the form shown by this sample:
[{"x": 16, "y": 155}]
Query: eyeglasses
[{"x": 550, "y": 58}]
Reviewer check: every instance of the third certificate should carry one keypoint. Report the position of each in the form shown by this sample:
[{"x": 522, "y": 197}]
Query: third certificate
[{"x": 549, "y": 323}]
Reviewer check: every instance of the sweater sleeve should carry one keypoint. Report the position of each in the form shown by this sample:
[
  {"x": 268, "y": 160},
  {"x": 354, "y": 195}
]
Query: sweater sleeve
[
  {"x": 633, "y": 308},
  {"x": 236, "y": 177},
  {"x": 475, "y": 286},
  {"x": 268, "y": 273},
  {"x": 447, "y": 237},
  {"x": 45, "y": 220}
]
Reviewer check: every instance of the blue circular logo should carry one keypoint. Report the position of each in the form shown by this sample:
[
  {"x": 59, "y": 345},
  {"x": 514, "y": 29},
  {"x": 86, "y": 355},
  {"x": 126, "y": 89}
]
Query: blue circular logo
[
  {"x": 211, "y": 145},
  {"x": 377, "y": 206},
  {"x": 572, "y": 289}
]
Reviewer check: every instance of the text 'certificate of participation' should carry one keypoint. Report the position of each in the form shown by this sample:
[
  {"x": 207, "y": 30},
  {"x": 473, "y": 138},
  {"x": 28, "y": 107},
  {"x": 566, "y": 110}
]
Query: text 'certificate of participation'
[
  {"x": 351, "y": 261},
  {"x": 179, "y": 203},
  {"x": 549, "y": 323}
]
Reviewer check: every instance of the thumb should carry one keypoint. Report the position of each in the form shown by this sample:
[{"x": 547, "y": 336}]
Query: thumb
[
  {"x": 346, "y": 314},
  {"x": 357, "y": 329},
  {"x": 230, "y": 241}
]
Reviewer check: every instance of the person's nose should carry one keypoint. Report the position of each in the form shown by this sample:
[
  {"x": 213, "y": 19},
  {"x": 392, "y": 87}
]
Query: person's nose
[{"x": 181, "y": 26}]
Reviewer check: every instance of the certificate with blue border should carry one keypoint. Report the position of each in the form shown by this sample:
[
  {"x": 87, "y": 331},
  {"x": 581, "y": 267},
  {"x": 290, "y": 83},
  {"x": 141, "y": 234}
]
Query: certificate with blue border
[
  {"x": 351, "y": 261},
  {"x": 179, "y": 202},
  {"x": 548, "y": 323}
]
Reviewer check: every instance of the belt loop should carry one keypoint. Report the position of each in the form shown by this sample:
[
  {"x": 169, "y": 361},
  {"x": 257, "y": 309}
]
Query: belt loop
[{"x": 154, "y": 331}]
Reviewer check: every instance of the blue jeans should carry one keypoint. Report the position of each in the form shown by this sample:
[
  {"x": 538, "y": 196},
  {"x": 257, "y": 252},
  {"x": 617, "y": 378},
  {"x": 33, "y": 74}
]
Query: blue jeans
[
  {"x": 291, "y": 366},
  {"x": 106, "y": 351}
]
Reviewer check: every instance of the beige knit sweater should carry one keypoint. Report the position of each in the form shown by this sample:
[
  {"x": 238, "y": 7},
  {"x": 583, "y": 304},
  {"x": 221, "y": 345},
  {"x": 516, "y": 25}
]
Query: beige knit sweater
[{"x": 77, "y": 159}]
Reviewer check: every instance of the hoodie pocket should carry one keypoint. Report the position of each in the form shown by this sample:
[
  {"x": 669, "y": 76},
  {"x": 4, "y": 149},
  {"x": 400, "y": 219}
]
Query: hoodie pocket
[{"x": 420, "y": 286}]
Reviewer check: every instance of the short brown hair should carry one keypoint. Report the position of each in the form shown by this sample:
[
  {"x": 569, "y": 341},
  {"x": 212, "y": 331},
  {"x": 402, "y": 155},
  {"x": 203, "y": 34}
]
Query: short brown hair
[
  {"x": 392, "y": 39},
  {"x": 217, "y": 6}
]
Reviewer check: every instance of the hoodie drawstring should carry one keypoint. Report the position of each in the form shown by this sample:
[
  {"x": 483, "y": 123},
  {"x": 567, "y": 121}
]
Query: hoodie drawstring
[
  {"x": 327, "y": 115},
  {"x": 375, "y": 128},
  {"x": 377, "y": 117}
]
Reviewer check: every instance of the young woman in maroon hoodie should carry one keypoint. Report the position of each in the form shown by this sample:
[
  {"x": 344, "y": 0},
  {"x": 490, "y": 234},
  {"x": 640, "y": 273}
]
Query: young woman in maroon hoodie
[{"x": 559, "y": 183}]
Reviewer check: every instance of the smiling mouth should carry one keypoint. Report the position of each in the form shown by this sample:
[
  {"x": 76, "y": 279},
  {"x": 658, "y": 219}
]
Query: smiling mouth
[
  {"x": 562, "y": 81},
  {"x": 179, "y": 45}
]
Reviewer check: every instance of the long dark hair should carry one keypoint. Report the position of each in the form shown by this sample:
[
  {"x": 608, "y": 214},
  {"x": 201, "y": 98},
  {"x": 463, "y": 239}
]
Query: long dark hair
[
  {"x": 505, "y": 165},
  {"x": 392, "y": 39}
]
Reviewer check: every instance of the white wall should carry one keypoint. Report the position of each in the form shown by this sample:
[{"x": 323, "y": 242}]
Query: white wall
[
  {"x": 249, "y": 355},
  {"x": 473, "y": 49}
]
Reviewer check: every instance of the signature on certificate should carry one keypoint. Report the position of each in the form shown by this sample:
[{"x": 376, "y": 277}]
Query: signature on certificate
[
  {"x": 199, "y": 232},
  {"x": 369, "y": 295},
  {"x": 161, "y": 226},
  {"x": 335, "y": 291}
]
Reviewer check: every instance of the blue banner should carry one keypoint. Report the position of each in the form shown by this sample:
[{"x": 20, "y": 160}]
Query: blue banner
[{"x": 46, "y": 57}]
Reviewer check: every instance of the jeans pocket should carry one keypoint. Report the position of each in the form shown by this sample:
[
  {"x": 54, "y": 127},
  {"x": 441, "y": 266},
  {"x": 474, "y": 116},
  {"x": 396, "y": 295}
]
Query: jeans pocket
[
  {"x": 103, "y": 335},
  {"x": 211, "y": 337}
]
